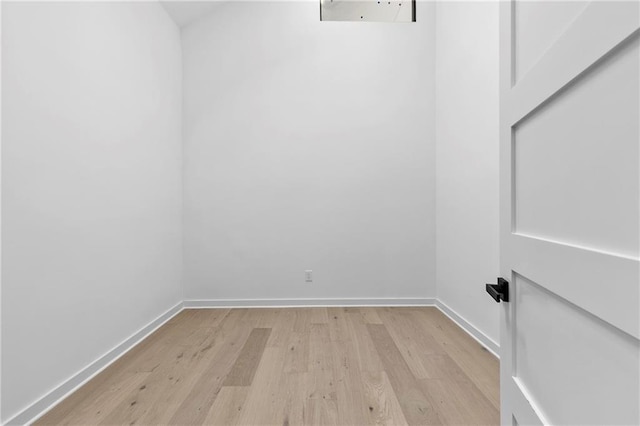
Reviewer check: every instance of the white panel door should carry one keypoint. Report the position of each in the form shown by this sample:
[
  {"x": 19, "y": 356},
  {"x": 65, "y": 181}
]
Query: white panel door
[{"x": 570, "y": 212}]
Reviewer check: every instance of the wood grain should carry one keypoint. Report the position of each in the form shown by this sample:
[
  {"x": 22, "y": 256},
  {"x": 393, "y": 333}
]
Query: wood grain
[
  {"x": 416, "y": 405},
  {"x": 228, "y": 405},
  {"x": 286, "y": 366}
]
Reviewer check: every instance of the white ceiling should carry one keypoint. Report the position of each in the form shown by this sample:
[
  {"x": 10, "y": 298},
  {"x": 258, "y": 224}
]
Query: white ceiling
[{"x": 183, "y": 12}]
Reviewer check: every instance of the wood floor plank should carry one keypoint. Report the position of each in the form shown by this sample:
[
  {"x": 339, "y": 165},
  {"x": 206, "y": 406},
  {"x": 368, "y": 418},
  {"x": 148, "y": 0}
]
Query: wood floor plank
[
  {"x": 195, "y": 361},
  {"x": 167, "y": 386},
  {"x": 320, "y": 379},
  {"x": 441, "y": 366},
  {"x": 318, "y": 316},
  {"x": 95, "y": 410},
  {"x": 475, "y": 361},
  {"x": 297, "y": 353},
  {"x": 83, "y": 397},
  {"x": 264, "y": 317},
  {"x": 227, "y": 407},
  {"x": 276, "y": 396},
  {"x": 185, "y": 327},
  {"x": 198, "y": 401},
  {"x": 282, "y": 328},
  {"x": 384, "y": 407},
  {"x": 245, "y": 366},
  {"x": 141, "y": 358},
  {"x": 370, "y": 315},
  {"x": 404, "y": 332},
  {"x": 139, "y": 401},
  {"x": 178, "y": 381},
  {"x": 302, "y": 320},
  {"x": 461, "y": 402},
  {"x": 320, "y": 358},
  {"x": 349, "y": 388},
  {"x": 207, "y": 318},
  {"x": 262, "y": 405},
  {"x": 338, "y": 327},
  {"x": 195, "y": 406},
  {"x": 292, "y": 399},
  {"x": 321, "y": 412},
  {"x": 416, "y": 406},
  {"x": 324, "y": 366},
  {"x": 368, "y": 359}
]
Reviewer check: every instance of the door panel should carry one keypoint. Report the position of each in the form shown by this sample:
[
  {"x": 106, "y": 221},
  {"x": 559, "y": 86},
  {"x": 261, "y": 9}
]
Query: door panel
[
  {"x": 554, "y": 350},
  {"x": 602, "y": 27},
  {"x": 592, "y": 126},
  {"x": 570, "y": 212},
  {"x": 600, "y": 283},
  {"x": 537, "y": 25}
]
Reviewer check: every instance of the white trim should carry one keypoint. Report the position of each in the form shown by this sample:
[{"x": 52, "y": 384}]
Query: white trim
[
  {"x": 53, "y": 398},
  {"x": 471, "y": 330},
  {"x": 303, "y": 303}
]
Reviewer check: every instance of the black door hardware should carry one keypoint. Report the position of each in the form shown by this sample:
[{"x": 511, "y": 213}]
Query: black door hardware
[{"x": 499, "y": 291}]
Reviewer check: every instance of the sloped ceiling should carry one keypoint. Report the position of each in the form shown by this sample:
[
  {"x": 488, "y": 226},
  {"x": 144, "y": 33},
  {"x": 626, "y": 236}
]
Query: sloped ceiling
[{"x": 184, "y": 12}]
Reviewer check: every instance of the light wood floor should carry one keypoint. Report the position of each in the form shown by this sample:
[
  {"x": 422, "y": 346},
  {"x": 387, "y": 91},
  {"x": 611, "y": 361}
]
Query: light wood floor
[{"x": 339, "y": 366}]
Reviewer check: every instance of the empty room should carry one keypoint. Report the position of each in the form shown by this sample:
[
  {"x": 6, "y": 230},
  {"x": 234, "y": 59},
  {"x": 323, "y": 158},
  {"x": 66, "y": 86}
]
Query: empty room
[{"x": 320, "y": 212}]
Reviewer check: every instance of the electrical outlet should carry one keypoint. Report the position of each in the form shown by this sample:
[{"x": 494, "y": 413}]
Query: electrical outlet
[{"x": 308, "y": 276}]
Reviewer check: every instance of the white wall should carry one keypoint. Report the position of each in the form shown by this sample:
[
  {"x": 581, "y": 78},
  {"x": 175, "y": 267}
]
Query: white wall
[
  {"x": 91, "y": 184},
  {"x": 308, "y": 145},
  {"x": 467, "y": 159}
]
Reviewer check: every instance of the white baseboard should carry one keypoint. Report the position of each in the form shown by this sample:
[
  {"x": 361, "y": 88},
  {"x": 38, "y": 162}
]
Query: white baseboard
[
  {"x": 303, "y": 303},
  {"x": 51, "y": 399},
  {"x": 478, "y": 335}
]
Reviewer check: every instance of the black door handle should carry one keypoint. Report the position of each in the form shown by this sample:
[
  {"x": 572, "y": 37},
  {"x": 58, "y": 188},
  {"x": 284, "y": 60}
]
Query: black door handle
[{"x": 499, "y": 291}]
